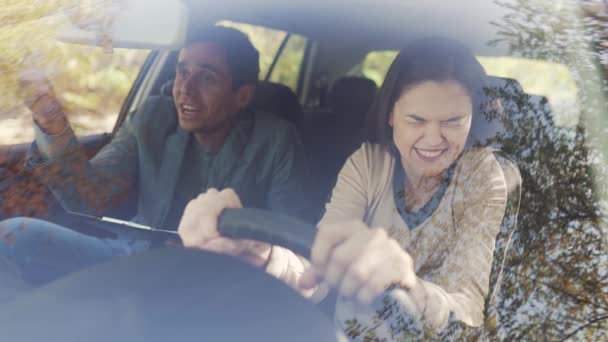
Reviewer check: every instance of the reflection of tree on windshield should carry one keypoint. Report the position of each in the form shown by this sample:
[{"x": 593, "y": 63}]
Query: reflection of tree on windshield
[{"x": 556, "y": 282}]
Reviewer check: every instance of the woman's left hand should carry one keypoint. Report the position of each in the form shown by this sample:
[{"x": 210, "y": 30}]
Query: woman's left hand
[{"x": 361, "y": 262}]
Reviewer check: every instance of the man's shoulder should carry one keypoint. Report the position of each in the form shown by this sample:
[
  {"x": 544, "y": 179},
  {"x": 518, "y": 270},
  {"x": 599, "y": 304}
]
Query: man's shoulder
[
  {"x": 270, "y": 127},
  {"x": 155, "y": 113},
  {"x": 266, "y": 120},
  {"x": 155, "y": 117}
]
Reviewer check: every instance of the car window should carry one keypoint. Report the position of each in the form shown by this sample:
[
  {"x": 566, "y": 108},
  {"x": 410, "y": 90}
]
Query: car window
[
  {"x": 375, "y": 65},
  {"x": 268, "y": 42},
  {"x": 90, "y": 82},
  {"x": 557, "y": 83},
  {"x": 289, "y": 63}
]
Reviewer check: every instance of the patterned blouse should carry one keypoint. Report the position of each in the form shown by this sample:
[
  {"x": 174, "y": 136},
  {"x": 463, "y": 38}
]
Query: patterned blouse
[{"x": 452, "y": 247}]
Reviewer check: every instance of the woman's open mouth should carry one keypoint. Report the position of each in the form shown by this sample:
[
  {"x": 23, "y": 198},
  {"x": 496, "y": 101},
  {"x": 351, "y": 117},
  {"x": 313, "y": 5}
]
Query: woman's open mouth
[{"x": 430, "y": 155}]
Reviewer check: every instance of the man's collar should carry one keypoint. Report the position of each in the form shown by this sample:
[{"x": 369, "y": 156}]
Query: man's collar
[{"x": 229, "y": 156}]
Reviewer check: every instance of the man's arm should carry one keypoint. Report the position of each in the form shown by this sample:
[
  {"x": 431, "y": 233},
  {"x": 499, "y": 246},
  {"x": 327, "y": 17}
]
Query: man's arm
[
  {"x": 94, "y": 186},
  {"x": 58, "y": 160},
  {"x": 288, "y": 193}
]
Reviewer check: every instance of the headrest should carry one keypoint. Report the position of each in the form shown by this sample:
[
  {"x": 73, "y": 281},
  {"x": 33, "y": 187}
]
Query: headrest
[
  {"x": 167, "y": 88},
  {"x": 352, "y": 95},
  {"x": 503, "y": 88},
  {"x": 277, "y": 99},
  {"x": 506, "y": 103}
]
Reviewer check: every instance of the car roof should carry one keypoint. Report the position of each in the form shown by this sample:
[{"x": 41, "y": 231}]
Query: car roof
[{"x": 365, "y": 24}]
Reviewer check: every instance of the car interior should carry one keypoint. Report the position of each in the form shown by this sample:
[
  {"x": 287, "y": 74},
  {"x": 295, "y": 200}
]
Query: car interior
[
  {"x": 331, "y": 100},
  {"x": 328, "y": 111}
]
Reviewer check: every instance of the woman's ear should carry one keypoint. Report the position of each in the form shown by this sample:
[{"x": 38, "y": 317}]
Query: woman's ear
[{"x": 390, "y": 118}]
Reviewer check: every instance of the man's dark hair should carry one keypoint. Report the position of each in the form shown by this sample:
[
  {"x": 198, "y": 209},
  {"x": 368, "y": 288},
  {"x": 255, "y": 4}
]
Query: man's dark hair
[
  {"x": 241, "y": 56},
  {"x": 427, "y": 59}
]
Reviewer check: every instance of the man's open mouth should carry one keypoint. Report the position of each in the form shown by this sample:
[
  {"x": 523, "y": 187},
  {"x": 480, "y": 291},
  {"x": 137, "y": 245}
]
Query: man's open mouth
[{"x": 189, "y": 110}]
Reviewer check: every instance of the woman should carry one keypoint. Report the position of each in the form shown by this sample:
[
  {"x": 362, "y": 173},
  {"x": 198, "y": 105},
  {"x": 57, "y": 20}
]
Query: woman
[{"x": 412, "y": 208}]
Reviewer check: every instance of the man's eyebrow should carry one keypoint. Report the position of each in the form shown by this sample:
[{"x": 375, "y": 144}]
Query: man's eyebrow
[
  {"x": 211, "y": 67},
  {"x": 205, "y": 66}
]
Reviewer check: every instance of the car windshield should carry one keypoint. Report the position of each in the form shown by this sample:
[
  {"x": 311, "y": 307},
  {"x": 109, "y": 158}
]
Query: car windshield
[{"x": 320, "y": 68}]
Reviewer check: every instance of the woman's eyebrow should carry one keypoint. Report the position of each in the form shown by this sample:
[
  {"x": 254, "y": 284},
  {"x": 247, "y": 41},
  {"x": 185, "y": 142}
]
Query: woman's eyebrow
[
  {"x": 456, "y": 118},
  {"x": 415, "y": 117}
]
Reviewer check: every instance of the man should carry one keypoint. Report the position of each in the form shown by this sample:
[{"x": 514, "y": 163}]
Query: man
[{"x": 169, "y": 152}]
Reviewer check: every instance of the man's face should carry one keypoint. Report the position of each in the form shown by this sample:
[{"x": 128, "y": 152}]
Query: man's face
[{"x": 202, "y": 90}]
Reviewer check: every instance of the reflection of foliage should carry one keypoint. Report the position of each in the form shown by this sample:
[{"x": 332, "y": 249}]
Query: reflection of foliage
[
  {"x": 399, "y": 324},
  {"x": 87, "y": 80},
  {"x": 554, "y": 261},
  {"x": 555, "y": 284},
  {"x": 556, "y": 281}
]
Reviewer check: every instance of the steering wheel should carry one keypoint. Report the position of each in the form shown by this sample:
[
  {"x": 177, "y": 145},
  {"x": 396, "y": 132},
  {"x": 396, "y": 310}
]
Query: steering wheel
[{"x": 177, "y": 294}]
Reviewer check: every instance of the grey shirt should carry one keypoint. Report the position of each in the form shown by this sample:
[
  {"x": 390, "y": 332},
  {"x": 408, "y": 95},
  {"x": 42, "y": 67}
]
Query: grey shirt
[
  {"x": 262, "y": 160},
  {"x": 193, "y": 180}
]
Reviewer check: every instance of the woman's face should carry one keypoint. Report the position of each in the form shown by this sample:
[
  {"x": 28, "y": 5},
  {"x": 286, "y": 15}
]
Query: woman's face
[{"x": 431, "y": 121}]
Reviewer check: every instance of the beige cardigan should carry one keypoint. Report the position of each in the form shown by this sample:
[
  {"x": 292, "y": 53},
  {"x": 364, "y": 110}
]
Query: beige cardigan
[{"x": 452, "y": 249}]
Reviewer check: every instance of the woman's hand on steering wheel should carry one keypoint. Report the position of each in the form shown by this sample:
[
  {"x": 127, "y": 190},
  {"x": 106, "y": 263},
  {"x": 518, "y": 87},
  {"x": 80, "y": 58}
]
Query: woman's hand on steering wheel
[
  {"x": 361, "y": 263},
  {"x": 198, "y": 228}
]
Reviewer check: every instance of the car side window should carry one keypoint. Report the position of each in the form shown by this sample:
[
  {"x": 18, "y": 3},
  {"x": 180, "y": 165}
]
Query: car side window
[
  {"x": 375, "y": 65},
  {"x": 91, "y": 84},
  {"x": 268, "y": 43},
  {"x": 556, "y": 89}
]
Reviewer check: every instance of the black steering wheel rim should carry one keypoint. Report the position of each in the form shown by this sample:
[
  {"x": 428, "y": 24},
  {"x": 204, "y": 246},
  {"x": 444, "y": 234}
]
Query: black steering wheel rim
[
  {"x": 274, "y": 228},
  {"x": 162, "y": 294}
]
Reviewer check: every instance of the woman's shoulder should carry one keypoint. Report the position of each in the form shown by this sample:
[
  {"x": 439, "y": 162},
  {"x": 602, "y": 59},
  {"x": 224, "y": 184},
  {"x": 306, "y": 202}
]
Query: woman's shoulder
[
  {"x": 372, "y": 151},
  {"x": 372, "y": 156},
  {"x": 481, "y": 163},
  {"x": 478, "y": 157}
]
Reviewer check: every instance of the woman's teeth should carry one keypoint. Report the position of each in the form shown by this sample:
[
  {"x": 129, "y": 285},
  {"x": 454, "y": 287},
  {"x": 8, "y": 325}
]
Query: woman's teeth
[{"x": 430, "y": 154}]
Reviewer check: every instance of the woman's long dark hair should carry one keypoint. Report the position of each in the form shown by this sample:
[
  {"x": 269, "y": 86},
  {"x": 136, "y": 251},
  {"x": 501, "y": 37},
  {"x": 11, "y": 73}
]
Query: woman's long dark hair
[{"x": 428, "y": 59}]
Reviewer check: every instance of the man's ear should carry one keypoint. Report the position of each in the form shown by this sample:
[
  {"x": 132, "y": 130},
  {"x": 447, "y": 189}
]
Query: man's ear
[{"x": 244, "y": 95}]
